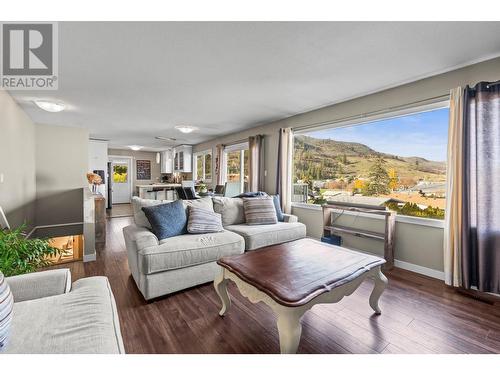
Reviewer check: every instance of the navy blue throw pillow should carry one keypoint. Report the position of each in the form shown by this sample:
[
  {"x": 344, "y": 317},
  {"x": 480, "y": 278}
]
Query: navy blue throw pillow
[
  {"x": 167, "y": 220},
  {"x": 277, "y": 206},
  {"x": 252, "y": 194}
]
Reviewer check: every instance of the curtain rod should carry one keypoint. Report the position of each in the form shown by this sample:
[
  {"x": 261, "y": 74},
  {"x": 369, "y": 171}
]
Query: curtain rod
[{"x": 433, "y": 100}]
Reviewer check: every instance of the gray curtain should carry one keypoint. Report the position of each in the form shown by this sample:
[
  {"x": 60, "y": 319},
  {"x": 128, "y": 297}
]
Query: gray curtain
[
  {"x": 481, "y": 193},
  {"x": 256, "y": 163}
]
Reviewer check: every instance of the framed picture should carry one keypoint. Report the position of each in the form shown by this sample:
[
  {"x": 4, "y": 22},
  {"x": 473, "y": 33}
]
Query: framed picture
[{"x": 143, "y": 169}]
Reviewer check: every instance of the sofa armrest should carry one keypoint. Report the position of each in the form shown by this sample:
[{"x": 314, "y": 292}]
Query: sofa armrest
[
  {"x": 139, "y": 237},
  {"x": 40, "y": 284},
  {"x": 287, "y": 218}
]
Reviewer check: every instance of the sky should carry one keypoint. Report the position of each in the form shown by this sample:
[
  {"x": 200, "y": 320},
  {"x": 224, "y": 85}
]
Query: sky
[{"x": 423, "y": 134}]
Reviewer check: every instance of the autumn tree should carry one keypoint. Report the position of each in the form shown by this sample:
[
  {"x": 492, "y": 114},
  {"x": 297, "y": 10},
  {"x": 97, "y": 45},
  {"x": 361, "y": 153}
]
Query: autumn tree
[
  {"x": 358, "y": 186},
  {"x": 393, "y": 179}
]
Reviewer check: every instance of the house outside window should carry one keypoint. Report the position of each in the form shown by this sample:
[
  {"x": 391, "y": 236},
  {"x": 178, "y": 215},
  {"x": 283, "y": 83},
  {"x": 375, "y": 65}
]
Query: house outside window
[
  {"x": 202, "y": 170},
  {"x": 396, "y": 162}
]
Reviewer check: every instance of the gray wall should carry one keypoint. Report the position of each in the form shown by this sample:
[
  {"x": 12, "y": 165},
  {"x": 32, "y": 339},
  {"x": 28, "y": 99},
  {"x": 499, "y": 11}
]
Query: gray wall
[
  {"x": 61, "y": 167},
  {"x": 416, "y": 244},
  {"x": 17, "y": 162},
  {"x": 402, "y": 95},
  {"x": 139, "y": 155}
]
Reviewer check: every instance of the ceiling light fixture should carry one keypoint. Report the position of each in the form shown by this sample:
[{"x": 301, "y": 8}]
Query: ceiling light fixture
[
  {"x": 50, "y": 106},
  {"x": 135, "y": 147},
  {"x": 186, "y": 129},
  {"x": 166, "y": 138}
]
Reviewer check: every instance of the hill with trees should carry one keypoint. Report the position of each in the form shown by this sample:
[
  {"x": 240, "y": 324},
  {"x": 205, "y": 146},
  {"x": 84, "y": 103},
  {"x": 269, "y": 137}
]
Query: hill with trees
[{"x": 328, "y": 159}]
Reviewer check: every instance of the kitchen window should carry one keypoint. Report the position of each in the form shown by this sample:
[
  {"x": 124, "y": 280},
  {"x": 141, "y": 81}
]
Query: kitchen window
[{"x": 203, "y": 166}]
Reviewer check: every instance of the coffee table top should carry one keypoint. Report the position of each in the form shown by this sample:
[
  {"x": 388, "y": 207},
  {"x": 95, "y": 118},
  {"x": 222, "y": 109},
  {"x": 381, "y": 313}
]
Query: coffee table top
[{"x": 293, "y": 273}]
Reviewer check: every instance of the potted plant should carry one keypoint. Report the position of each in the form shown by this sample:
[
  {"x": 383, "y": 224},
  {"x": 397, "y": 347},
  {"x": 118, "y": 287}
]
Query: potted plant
[
  {"x": 19, "y": 254},
  {"x": 203, "y": 188}
]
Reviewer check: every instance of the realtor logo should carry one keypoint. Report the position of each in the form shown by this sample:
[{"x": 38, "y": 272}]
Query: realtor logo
[{"x": 28, "y": 56}]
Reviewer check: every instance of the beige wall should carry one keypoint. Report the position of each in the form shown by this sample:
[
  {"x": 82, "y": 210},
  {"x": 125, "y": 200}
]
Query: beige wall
[
  {"x": 61, "y": 166},
  {"x": 140, "y": 155},
  {"x": 415, "y": 244},
  {"x": 17, "y": 162}
]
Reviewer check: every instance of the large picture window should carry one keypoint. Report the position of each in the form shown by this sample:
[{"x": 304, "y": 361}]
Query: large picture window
[
  {"x": 395, "y": 162},
  {"x": 203, "y": 166}
]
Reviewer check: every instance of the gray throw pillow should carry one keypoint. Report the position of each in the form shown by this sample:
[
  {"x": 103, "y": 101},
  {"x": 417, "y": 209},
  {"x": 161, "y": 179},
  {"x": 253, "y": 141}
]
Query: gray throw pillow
[
  {"x": 260, "y": 211},
  {"x": 203, "y": 221},
  {"x": 6, "y": 307},
  {"x": 137, "y": 205},
  {"x": 231, "y": 210}
]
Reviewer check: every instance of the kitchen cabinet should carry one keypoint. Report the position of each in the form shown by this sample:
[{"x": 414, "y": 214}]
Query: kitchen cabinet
[
  {"x": 167, "y": 161},
  {"x": 183, "y": 159}
]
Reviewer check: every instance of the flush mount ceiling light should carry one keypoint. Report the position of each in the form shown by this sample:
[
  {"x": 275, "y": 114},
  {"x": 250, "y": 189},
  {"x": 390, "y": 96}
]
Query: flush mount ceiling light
[
  {"x": 166, "y": 138},
  {"x": 135, "y": 147},
  {"x": 185, "y": 128},
  {"x": 50, "y": 106}
]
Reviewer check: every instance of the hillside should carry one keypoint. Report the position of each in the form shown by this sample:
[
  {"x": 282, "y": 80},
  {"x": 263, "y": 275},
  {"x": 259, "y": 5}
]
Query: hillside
[{"x": 322, "y": 159}]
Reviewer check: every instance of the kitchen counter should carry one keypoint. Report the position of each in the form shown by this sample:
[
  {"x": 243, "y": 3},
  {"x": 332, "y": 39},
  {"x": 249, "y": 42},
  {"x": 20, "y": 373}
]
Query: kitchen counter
[
  {"x": 157, "y": 191},
  {"x": 159, "y": 185}
]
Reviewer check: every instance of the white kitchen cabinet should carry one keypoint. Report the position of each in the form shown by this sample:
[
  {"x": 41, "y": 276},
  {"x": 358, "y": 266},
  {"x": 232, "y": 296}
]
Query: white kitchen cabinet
[
  {"x": 183, "y": 159},
  {"x": 167, "y": 161}
]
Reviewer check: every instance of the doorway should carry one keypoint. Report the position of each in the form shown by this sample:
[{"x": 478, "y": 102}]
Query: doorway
[{"x": 121, "y": 180}]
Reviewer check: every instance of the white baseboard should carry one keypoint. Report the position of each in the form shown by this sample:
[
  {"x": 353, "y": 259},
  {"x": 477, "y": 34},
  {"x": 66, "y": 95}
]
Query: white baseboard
[
  {"x": 89, "y": 258},
  {"x": 419, "y": 269}
]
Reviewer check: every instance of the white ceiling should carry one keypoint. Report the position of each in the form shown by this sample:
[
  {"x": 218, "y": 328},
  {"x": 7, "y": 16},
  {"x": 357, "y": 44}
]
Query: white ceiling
[{"x": 130, "y": 82}]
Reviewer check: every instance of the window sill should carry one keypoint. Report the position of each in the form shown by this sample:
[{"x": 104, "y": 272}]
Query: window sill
[{"x": 434, "y": 223}]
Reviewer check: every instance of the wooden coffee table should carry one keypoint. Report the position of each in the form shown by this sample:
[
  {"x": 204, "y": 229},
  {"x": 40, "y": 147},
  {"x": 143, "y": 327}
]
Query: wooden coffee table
[{"x": 294, "y": 276}]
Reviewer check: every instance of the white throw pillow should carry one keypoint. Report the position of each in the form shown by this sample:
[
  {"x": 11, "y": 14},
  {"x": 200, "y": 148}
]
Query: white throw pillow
[{"x": 6, "y": 310}]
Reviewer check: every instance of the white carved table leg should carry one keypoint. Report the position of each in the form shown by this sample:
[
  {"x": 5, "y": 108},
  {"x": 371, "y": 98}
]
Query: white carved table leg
[
  {"x": 378, "y": 289},
  {"x": 289, "y": 329},
  {"x": 220, "y": 285}
]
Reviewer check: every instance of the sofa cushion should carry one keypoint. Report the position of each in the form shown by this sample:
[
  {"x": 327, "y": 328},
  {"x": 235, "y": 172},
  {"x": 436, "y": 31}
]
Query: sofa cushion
[
  {"x": 231, "y": 209},
  {"x": 167, "y": 220},
  {"x": 259, "y": 211},
  {"x": 141, "y": 219},
  {"x": 137, "y": 205},
  {"x": 188, "y": 250},
  {"x": 203, "y": 221},
  {"x": 205, "y": 203},
  {"x": 84, "y": 321},
  {"x": 257, "y": 236}
]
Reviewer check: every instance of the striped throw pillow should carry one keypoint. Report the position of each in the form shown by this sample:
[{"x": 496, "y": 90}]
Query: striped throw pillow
[
  {"x": 203, "y": 221},
  {"x": 259, "y": 211},
  {"x": 6, "y": 305}
]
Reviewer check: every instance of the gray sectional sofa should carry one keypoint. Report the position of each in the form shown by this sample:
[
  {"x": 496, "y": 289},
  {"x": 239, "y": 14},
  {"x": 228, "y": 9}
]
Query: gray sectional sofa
[
  {"x": 176, "y": 263},
  {"x": 51, "y": 315}
]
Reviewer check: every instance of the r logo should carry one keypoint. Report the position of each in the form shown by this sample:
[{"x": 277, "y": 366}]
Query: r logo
[{"x": 28, "y": 49}]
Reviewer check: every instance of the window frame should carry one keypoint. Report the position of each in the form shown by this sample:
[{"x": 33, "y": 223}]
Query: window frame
[
  {"x": 241, "y": 147},
  {"x": 204, "y": 159},
  {"x": 365, "y": 119}
]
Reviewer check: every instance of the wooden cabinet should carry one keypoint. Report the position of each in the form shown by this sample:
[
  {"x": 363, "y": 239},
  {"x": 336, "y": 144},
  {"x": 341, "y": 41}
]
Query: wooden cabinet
[
  {"x": 167, "y": 162},
  {"x": 100, "y": 219},
  {"x": 183, "y": 159}
]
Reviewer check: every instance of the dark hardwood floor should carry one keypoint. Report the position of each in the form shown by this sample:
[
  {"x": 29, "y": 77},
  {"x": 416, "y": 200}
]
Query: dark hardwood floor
[{"x": 419, "y": 315}]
